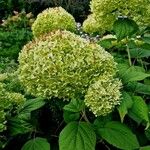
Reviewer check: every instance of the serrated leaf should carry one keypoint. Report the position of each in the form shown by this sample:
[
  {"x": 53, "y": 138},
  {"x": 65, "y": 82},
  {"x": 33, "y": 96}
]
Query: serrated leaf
[
  {"x": 75, "y": 105},
  {"x": 36, "y": 144},
  {"x": 31, "y": 105},
  {"x": 70, "y": 116},
  {"x": 145, "y": 148},
  {"x": 126, "y": 104},
  {"x": 118, "y": 135},
  {"x": 77, "y": 136},
  {"x": 137, "y": 87},
  {"x": 133, "y": 73},
  {"x": 141, "y": 51},
  {"x": 140, "y": 109},
  {"x": 124, "y": 27},
  {"x": 18, "y": 126}
]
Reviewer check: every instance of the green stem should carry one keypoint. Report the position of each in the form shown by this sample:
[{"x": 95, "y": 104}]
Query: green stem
[{"x": 129, "y": 56}]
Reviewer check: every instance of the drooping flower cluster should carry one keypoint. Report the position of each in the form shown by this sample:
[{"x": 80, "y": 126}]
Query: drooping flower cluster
[
  {"x": 9, "y": 101},
  {"x": 105, "y": 12},
  {"x": 64, "y": 65},
  {"x": 103, "y": 95},
  {"x": 53, "y": 19}
]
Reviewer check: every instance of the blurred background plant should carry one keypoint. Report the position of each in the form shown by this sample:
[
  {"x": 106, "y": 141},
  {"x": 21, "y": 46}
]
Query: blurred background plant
[
  {"x": 15, "y": 31},
  {"x": 78, "y": 8}
]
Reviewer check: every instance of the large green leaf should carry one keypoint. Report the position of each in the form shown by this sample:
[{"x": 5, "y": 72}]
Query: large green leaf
[
  {"x": 75, "y": 105},
  {"x": 70, "y": 116},
  {"x": 19, "y": 126},
  {"x": 124, "y": 27},
  {"x": 125, "y": 105},
  {"x": 139, "y": 109},
  {"x": 36, "y": 144},
  {"x": 139, "y": 88},
  {"x": 77, "y": 136},
  {"x": 31, "y": 105},
  {"x": 118, "y": 135},
  {"x": 145, "y": 148},
  {"x": 133, "y": 73}
]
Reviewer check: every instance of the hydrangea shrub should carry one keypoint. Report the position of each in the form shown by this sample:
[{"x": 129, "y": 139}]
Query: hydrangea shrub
[
  {"x": 53, "y": 19},
  {"x": 106, "y": 12},
  {"x": 9, "y": 101},
  {"x": 64, "y": 65}
]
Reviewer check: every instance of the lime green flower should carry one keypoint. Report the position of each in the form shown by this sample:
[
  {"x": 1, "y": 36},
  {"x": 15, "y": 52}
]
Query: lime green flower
[
  {"x": 62, "y": 64},
  {"x": 53, "y": 19},
  {"x": 103, "y": 96},
  {"x": 90, "y": 25}
]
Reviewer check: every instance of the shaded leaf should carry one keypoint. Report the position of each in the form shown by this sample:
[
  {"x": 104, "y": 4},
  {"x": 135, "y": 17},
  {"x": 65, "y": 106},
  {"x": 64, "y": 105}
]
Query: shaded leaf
[
  {"x": 77, "y": 136},
  {"x": 125, "y": 105},
  {"x": 75, "y": 105},
  {"x": 36, "y": 144},
  {"x": 118, "y": 135}
]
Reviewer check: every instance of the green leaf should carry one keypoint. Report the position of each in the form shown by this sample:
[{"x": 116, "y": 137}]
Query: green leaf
[
  {"x": 36, "y": 144},
  {"x": 106, "y": 43},
  {"x": 140, "y": 52},
  {"x": 77, "y": 136},
  {"x": 75, "y": 105},
  {"x": 145, "y": 148},
  {"x": 31, "y": 105},
  {"x": 18, "y": 126},
  {"x": 137, "y": 87},
  {"x": 118, "y": 135},
  {"x": 125, "y": 105},
  {"x": 139, "y": 109},
  {"x": 147, "y": 133},
  {"x": 71, "y": 116},
  {"x": 133, "y": 73},
  {"x": 124, "y": 27}
]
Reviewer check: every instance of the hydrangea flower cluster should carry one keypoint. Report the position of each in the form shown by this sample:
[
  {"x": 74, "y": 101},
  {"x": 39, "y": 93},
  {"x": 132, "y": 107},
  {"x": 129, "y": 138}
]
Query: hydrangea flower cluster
[
  {"x": 103, "y": 95},
  {"x": 90, "y": 25},
  {"x": 105, "y": 12},
  {"x": 8, "y": 101},
  {"x": 64, "y": 65},
  {"x": 53, "y": 19}
]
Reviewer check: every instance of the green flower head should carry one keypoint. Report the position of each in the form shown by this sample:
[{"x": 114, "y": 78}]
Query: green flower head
[
  {"x": 53, "y": 19},
  {"x": 90, "y": 25},
  {"x": 103, "y": 95},
  {"x": 62, "y": 64}
]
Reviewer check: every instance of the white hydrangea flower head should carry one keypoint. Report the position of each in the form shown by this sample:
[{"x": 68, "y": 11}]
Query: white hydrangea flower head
[
  {"x": 62, "y": 64},
  {"x": 53, "y": 19},
  {"x": 103, "y": 95}
]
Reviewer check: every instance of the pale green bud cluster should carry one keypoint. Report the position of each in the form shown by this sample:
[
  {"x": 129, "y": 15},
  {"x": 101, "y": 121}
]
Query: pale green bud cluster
[
  {"x": 106, "y": 12},
  {"x": 9, "y": 101},
  {"x": 62, "y": 64},
  {"x": 90, "y": 25},
  {"x": 53, "y": 19},
  {"x": 103, "y": 95}
]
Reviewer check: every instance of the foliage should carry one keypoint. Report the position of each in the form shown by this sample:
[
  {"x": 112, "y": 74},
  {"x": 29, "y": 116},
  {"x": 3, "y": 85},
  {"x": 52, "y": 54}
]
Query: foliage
[
  {"x": 78, "y": 8},
  {"x": 53, "y": 19},
  {"x": 14, "y": 33}
]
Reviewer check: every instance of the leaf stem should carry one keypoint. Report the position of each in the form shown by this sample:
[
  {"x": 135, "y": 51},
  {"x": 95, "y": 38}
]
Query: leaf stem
[{"x": 129, "y": 56}]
